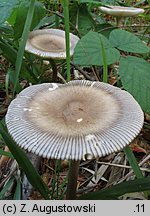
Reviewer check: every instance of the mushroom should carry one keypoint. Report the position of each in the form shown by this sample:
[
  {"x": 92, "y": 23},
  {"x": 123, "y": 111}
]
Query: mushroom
[
  {"x": 76, "y": 121},
  {"x": 120, "y": 12},
  {"x": 50, "y": 44}
]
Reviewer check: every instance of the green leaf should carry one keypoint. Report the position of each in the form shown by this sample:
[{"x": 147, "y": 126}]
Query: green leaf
[
  {"x": 110, "y": 2},
  {"x": 39, "y": 13},
  {"x": 105, "y": 66},
  {"x": 65, "y": 5},
  {"x": 8, "y": 154},
  {"x": 81, "y": 17},
  {"x": 11, "y": 54},
  {"x": 127, "y": 41},
  {"x": 12, "y": 18},
  {"x": 89, "y": 1},
  {"x": 118, "y": 190},
  {"x": 97, "y": 2},
  {"x": 135, "y": 77},
  {"x": 104, "y": 29},
  {"x": 17, "y": 194},
  {"x": 45, "y": 21},
  {"x": 6, "y": 187},
  {"x": 133, "y": 162},
  {"x": 89, "y": 50},
  {"x": 6, "y": 8},
  {"x": 10, "y": 80},
  {"x": 32, "y": 175},
  {"x": 6, "y": 29},
  {"x": 85, "y": 20},
  {"x": 8, "y": 52},
  {"x": 22, "y": 43}
]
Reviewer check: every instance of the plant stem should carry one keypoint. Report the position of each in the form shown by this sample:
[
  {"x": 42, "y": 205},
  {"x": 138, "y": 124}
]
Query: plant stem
[
  {"x": 54, "y": 68},
  {"x": 23, "y": 43},
  {"x": 72, "y": 180},
  {"x": 65, "y": 4},
  {"x": 105, "y": 66}
]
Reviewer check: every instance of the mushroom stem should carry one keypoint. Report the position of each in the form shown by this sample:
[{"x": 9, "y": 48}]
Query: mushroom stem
[
  {"x": 54, "y": 68},
  {"x": 119, "y": 19},
  {"x": 72, "y": 180}
]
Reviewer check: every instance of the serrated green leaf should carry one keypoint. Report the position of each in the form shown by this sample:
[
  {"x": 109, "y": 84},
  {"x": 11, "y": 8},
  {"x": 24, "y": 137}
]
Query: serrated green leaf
[
  {"x": 89, "y": 50},
  {"x": 135, "y": 77},
  {"x": 127, "y": 41},
  {"x": 118, "y": 190},
  {"x": 6, "y": 8}
]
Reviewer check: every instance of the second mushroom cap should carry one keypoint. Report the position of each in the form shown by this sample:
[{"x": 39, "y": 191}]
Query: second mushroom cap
[
  {"x": 119, "y": 11},
  {"x": 50, "y": 43}
]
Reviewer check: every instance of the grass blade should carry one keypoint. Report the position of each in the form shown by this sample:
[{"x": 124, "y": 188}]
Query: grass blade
[
  {"x": 23, "y": 43},
  {"x": 32, "y": 175},
  {"x": 17, "y": 194},
  {"x": 114, "y": 192},
  {"x": 65, "y": 4},
  {"x": 133, "y": 162},
  {"x": 6, "y": 187},
  {"x": 8, "y": 154},
  {"x": 105, "y": 67}
]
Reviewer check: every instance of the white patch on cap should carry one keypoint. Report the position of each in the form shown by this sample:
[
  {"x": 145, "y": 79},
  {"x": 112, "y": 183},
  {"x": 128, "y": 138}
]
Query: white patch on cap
[
  {"x": 79, "y": 120},
  {"x": 26, "y": 109},
  {"x": 54, "y": 86},
  {"x": 89, "y": 137}
]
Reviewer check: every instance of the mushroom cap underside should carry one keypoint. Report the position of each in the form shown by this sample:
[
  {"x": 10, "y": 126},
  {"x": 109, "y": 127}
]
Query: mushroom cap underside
[
  {"x": 77, "y": 120},
  {"x": 120, "y": 11}
]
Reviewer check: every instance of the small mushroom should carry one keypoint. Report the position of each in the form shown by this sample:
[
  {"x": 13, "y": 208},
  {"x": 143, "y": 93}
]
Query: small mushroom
[
  {"x": 76, "y": 121},
  {"x": 120, "y": 12},
  {"x": 50, "y": 44}
]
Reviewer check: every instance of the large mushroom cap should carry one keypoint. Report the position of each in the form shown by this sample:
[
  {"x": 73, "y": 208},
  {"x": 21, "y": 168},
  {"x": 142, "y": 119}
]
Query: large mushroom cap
[
  {"x": 50, "y": 43},
  {"x": 119, "y": 11},
  {"x": 73, "y": 120}
]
